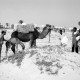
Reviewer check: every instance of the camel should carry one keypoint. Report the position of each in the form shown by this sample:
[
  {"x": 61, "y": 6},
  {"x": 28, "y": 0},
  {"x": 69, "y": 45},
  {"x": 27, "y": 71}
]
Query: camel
[
  {"x": 25, "y": 37},
  {"x": 13, "y": 43}
]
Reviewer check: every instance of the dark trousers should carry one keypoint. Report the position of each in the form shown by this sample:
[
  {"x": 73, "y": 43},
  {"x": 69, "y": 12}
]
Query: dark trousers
[{"x": 75, "y": 47}]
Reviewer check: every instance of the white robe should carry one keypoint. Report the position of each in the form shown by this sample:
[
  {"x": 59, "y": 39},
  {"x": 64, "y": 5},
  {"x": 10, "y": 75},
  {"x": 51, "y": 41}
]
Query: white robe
[{"x": 64, "y": 40}]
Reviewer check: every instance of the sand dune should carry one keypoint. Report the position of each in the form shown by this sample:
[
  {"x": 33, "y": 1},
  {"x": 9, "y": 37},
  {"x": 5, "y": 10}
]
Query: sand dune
[{"x": 49, "y": 61}]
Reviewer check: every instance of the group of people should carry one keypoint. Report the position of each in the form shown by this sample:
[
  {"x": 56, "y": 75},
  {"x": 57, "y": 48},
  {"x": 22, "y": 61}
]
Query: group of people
[{"x": 75, "y": 39}]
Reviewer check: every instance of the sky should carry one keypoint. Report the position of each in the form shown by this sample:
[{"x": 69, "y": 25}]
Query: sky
[{"x": 64, "y": 13}]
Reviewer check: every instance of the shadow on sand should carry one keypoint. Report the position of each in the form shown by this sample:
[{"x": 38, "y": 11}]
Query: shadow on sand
[{"x": 16, "y": 58}]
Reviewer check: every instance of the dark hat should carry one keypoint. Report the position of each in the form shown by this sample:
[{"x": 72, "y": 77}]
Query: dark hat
[
  {"x": 74, "y": 29},
  {"x": 20, "y": 21}
]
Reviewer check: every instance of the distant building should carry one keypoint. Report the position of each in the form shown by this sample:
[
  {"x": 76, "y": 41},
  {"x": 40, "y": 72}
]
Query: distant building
[
  {"x": 7, "y": 25},
  {"x": 12, "y": 26},
  {"x": 1, "y": 26}
]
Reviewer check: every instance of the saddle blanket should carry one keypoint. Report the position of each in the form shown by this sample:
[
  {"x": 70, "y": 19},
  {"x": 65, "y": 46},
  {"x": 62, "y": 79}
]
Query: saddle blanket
[{"x": 25, "y": 28}]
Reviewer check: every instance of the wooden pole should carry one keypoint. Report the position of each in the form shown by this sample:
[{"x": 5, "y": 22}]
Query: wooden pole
[{"x": 49, "y": 36}]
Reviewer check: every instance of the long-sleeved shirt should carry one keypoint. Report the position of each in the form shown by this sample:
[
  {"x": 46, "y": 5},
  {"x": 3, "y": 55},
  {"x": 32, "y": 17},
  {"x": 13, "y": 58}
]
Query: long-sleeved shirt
[
  {"x": 2, "y": 39},
  {"x": 74, "y": 35}
]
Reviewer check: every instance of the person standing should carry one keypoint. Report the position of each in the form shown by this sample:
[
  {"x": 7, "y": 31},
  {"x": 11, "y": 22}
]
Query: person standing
[
  {"x": 1, "y": 41},
  {"x": 74, "y": 41}
]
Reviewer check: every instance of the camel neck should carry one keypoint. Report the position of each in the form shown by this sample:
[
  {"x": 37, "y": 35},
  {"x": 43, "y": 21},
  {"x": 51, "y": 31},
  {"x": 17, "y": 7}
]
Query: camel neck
[{"x": 44, "y": 33}]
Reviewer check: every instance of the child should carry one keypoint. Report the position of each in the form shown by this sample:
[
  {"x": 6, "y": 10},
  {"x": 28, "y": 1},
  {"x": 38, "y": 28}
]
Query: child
[
  {"x": 1, "y": 41},
  {"x": 64, "y": 41}
]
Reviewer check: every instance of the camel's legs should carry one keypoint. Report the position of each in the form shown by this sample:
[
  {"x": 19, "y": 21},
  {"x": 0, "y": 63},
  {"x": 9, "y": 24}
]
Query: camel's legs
[
  {"x": 34, "y": 43},
  {"x": 8, "y": 44},
  {"x": 23, "y": 46},
  {"x": 13, "y": 48},
  {"x": 31, "y": 40},
  {"x": 31, "y": 43}
]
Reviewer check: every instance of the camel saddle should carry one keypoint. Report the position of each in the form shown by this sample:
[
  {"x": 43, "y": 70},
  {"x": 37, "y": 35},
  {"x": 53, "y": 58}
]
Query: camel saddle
[{"x": 25, "y": 28}]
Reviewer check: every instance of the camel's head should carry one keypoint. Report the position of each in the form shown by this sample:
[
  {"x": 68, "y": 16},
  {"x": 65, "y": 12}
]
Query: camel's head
[
  {"x": 50, "y": 27},
  {"x": 38, "y": 28}
]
